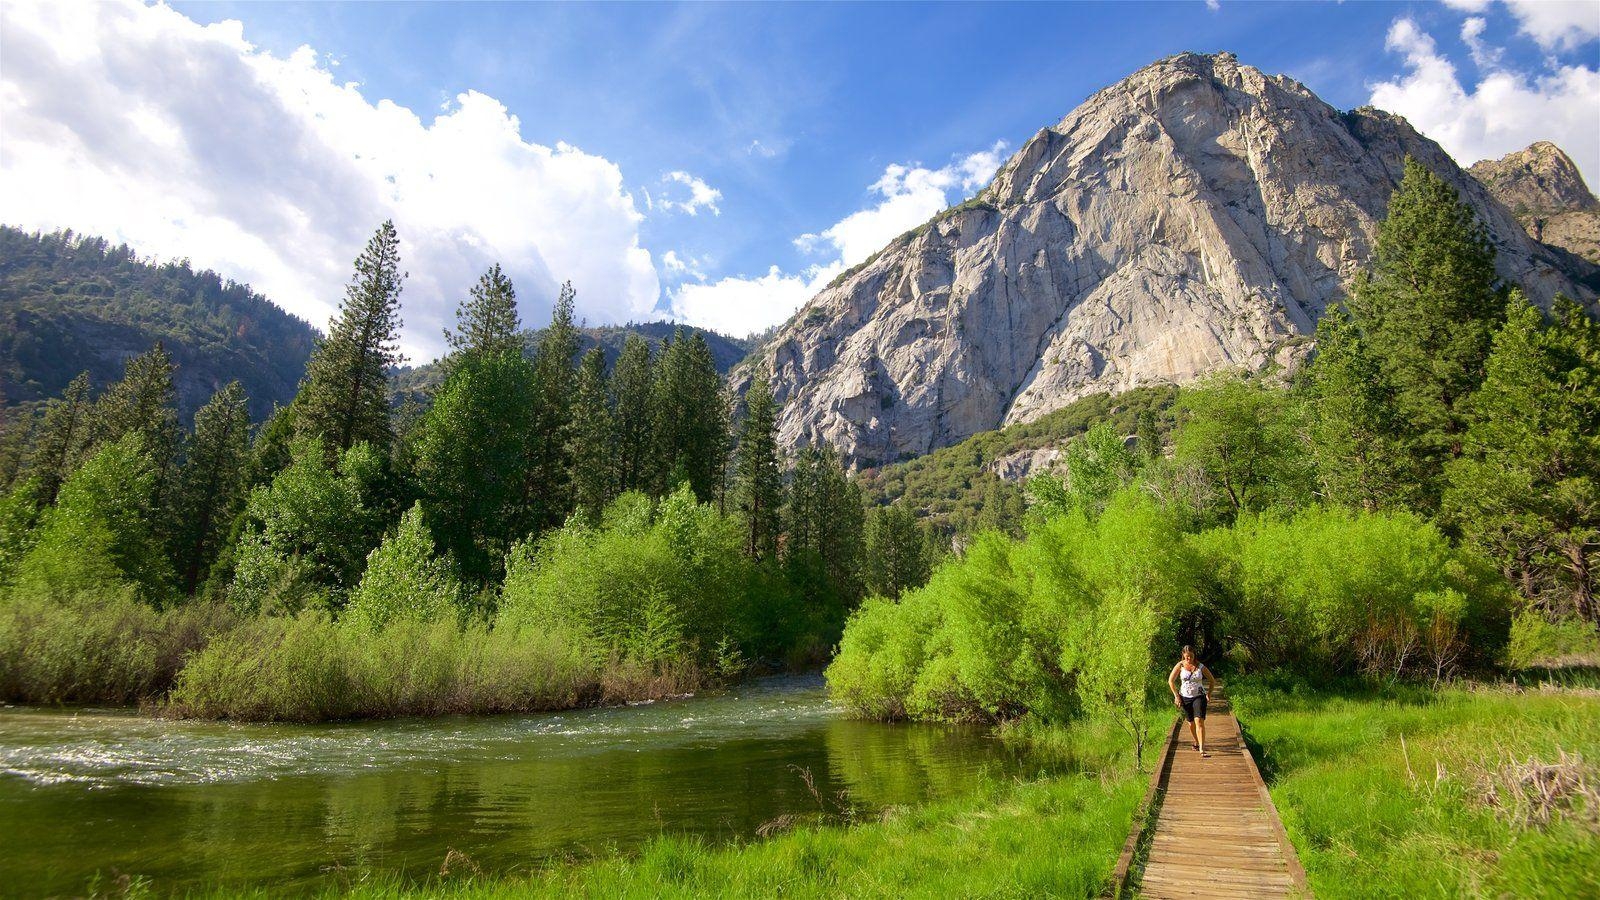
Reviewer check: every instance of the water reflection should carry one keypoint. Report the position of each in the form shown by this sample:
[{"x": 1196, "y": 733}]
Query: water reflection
[{"x": 193, "y": 804}]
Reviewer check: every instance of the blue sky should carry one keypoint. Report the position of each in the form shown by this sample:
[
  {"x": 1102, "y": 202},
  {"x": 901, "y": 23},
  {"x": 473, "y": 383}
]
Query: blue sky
[{"x": 788, "y": 118}]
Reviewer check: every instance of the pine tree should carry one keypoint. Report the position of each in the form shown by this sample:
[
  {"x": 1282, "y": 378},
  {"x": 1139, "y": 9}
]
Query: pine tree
[
  {"x": 824, "y": 528},
  {"x": 63, "y": 437},
  {"x": 1526, "y": 489},
  {"x": 210, "y": 484},
  {"x": 1353, "y": 429},
  {"x": 271, "y": 451},
  {"x": 144, "y": 402},
  {"x": 473, "y": 453},
  {"x": 487, "y": 322},
  {"x": 345, "y": 396},
  {"x": 896, "y": 551},
  {"x": 632, "y": 386},
  {"x": 548, "y": 487},
  {"x": 758, "y": 475},
  {"x": 1428, "y": 313},
  {"x": 691, "y": 424},
  {"x": 593, "y": 450}
]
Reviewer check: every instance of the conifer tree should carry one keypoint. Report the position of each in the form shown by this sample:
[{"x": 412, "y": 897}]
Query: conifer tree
[
  {"x": 691, "y": 426},
  {"x": 345, "y": 396},
  {"x": 271, "y": 450},
  {"x": 1353, "y": 430},
  {"x": 632, "y": 386},
  {"x": 473, "y": 456},
  {"x": 1526, "y": 489},
  {"x": 210, "y": 485},
  {"x": 824, "y": 527},
  {"x": 64, "y": 436},
  {"x": 144, "y": 402},
  {"x": 759, "y": 478},
  {"x": 487, "y": 321},
  {"x": 548, "y": 487},
  {"x": 896, "y": 557},
  {"x": 593, "y": 439},
  {"x": 1428, "y": 312}
]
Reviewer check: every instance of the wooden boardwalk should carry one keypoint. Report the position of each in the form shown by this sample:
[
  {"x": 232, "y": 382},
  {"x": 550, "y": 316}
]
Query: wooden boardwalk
[{"x": 1212, "y": 830}]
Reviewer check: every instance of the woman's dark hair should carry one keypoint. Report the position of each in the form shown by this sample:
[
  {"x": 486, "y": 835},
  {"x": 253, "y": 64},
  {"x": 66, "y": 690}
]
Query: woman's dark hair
[{"x": 1187, "y": 651}]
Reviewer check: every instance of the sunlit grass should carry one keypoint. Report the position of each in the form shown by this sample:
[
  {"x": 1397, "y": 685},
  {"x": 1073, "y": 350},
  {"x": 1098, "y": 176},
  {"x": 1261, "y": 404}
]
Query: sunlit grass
[{"x": 1384, "y": 793}]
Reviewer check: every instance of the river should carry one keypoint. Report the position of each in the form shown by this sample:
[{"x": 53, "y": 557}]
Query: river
[{"x": 192, "y": 805}]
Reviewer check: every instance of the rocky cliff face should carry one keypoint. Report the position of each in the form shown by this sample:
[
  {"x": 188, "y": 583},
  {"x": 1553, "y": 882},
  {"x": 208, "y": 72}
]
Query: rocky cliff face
[
  {"x": 1546, "y": 193},
  {"x": 1196, "y": 216}
]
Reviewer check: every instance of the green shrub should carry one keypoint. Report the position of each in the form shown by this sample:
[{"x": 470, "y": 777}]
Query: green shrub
[
  {"x": 1328, "y": 587},
  {"x": 660, "y": 585},
  {"x": 311, "y": 668},
  {"x": 1535, "y": 639},
  {"x": 404, "y": 579},
  {"x": 105, "y": 647},
  {"x": 1012, "y": 626}
]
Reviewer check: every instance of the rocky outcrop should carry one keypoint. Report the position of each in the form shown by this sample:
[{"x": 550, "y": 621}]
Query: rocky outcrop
[
  {"x": 1198, "y": 215},
  {"x": 1547, "y": 194}
]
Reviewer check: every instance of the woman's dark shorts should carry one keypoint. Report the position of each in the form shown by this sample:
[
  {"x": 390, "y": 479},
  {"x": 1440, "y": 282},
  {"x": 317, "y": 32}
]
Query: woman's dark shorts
[{"x": 1194, "y": 707}]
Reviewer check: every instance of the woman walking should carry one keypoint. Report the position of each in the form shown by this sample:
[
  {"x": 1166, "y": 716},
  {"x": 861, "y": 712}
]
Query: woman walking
[{"x": 1190, "y": 682}]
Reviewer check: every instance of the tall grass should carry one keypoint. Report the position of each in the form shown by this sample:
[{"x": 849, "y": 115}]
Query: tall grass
[
  {"x": 1408, "y": 793},
  {"x": 100, "y": 648},
  {"x": 311, "y": 668}
]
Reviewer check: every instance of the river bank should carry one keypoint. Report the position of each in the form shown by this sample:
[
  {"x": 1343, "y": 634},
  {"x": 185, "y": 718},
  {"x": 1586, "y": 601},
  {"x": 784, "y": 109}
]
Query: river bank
[
  {"x": 190, "y": 806},
  {"x": 1444, "y": 814}
]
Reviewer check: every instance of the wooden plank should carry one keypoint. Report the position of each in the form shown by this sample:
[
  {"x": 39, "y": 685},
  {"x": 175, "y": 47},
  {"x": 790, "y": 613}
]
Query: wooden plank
[
  {"x": 1215, "y": 832},
  {"x": 1158, "y": 776}
]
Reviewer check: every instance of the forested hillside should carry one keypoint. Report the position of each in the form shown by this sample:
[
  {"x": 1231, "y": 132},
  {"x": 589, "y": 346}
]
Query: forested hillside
[
  {"x": 71, "y": 303},
  {"x": 978, "y": 483}
]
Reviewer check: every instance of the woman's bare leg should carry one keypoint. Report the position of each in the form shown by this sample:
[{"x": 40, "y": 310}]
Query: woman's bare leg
[
  {"x": 1200, "y": 733},
  {"x": 1194, "y": 733}
]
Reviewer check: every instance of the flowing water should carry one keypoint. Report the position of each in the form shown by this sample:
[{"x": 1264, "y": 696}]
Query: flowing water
[{"x": 195, "y": 805}]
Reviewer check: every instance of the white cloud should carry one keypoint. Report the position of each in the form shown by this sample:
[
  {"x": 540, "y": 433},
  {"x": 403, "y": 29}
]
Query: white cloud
[
  {"x": 701, "y": 195},
  {"x": 1483, "y": 55},
  {"x": 679, "y": 267},
  {"x": 185, "y": 140},
  {"x": 1557, "y": 24},
  {"x": 740, "y": 306},
  {"x": 765, "y": 150},
  {"x": 1552, "y": 24},
  {"x": 1213, "y": 5},
  {"x": 908, "y": 196},
  {"x": 1504, "y": 111}
]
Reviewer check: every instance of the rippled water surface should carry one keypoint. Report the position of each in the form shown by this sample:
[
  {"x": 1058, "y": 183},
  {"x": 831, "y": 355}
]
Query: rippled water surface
[{"x": 191, "y": 805}]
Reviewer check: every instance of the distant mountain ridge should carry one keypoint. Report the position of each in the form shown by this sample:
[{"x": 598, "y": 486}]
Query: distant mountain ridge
[
  {"x": 73, "y": 303},
  {"x": 1195, "y": 216},
  {"x": 726, "y": 351}
]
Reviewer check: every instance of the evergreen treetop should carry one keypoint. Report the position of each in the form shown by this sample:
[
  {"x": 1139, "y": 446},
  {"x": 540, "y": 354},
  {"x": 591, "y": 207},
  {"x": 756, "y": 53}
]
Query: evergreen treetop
[
  {"x": 487, "y": 321},
  {"x": 345, "y": 396}
]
